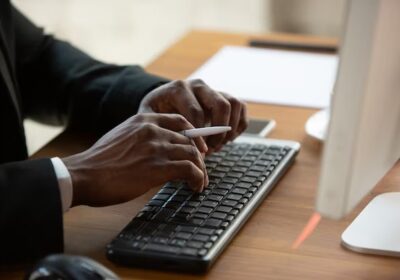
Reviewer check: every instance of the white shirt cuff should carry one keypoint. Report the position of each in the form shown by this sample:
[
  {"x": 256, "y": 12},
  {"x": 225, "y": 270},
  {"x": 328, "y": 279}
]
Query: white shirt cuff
[{"x": 64, "y": 183}]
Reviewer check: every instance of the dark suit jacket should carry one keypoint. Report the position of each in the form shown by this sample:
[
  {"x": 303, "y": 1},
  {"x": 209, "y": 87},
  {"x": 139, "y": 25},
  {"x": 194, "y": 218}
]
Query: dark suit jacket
[{"x": 53, "y": 82}]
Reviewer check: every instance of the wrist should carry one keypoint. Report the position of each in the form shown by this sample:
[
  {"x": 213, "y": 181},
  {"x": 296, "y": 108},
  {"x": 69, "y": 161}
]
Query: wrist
[{"x": 79, "y": 181}]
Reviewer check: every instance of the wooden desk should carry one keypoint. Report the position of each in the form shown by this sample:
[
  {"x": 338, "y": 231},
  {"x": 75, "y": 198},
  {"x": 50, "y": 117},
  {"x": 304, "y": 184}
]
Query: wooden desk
[{"x": 262, "y": 248}]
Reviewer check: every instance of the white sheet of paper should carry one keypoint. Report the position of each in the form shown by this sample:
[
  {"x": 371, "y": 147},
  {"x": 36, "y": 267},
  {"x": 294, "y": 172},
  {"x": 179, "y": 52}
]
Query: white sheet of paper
[{"x": 291, "y": 78}]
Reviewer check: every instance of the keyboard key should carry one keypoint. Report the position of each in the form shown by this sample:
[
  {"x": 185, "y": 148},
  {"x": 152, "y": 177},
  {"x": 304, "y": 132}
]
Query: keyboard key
[
  {"x": 192, "y": 203},
  {"x": 243, "y": 185},
  {"x": 254, "y": 152},
  {"x": 225, "y": 186},
  {"x": 244, "y": 163},
  {"x": 200, "y": 216},
  {"x": 161, "y": 196},
  {"x": 222, "y": 169},
  {"x": 229, "y": 218},
  {"x": 201, "y": 237},
  {"x": 208, "y": 203},
  {"x": 217, "y": 174},
  {"x": 195, "y": 244},
  {"x": 219, "y": 191},
  {"x": 178, "y": 198},
  {"x": 225, "y": 224},
  {"x": 208, "y": 245},
  {"x": 235, "y": 212},
  {"x": 253, "y": 189},
  {"x": 219, "y": 215},
  {"x": 239, "y": 191},
  {"x": 202, "y": 252},
  {"x": 248, "y": 195},
  {"x": 155, "y": 202},
  {"x": 230, "y": 203},
  {"x": 162, "y": 248},
  {"x": 249, "y": 158},
  {"x": 187, "y": 209},
  {"x": 160, "y": 240},
  {"x": 183, "y": 235},
  {"x": 236, "y": 197},
  {"x": 189, "y": 229},
  {"x": 213, "y": 223},
  {"x": 254, "y": 174},
  {"x": 257, "y": 168},
  {"x": 173, "y": 205},
  {"x": 228, "y": 163},
  {"x": 230, "y": 180},
  {"x": 215, "y": 197},
  {"x": 248, "y": 179},
  {"x": 213, "y": 159},
  {"x": 224, "y": 209},
  {"x": 235, "y": 174},
  {"x": 206, "y": 231},
  {"x": 189, "y": 251},
  {"x": 197, "y": 197},
  {"x": 163, "y": 215},
  {"x": 232, "y": 158},
  {"x": 138, "y": 245},
  {"x": 179, "y": 218},
  {"x": 166, "y": 191},
  {"x": 214, "y": 238},
  {"x": 197, "y": 222},
  {"x": 263, "y": 163},
  {"x": 239, "y": 169},
  {"x": 178, "y": 242},
  {"x": 239, "y": 206},
  {"x": 205, "y": 210}
]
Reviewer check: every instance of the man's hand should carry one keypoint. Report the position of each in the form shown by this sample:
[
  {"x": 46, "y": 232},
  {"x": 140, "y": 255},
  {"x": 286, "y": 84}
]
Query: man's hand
[
  {"x": 143, "y": 152},
  {"x": 200, "y": 105}
]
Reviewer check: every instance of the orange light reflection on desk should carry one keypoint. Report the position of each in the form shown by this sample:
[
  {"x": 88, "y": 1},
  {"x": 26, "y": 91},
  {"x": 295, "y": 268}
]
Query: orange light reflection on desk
[{"x": 308, "y": 230}]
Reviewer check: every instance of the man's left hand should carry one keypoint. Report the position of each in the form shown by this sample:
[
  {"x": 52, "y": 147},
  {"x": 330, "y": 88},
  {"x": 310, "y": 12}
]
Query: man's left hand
[{"x": 200, "y": 105}]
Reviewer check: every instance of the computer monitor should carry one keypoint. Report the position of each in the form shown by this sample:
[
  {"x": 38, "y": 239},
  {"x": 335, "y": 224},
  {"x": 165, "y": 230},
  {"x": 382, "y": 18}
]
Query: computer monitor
[{"x": 363, "y": 140}]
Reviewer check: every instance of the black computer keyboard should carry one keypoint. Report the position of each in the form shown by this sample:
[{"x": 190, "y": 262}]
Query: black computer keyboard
[{"x": 186, "y": 231}]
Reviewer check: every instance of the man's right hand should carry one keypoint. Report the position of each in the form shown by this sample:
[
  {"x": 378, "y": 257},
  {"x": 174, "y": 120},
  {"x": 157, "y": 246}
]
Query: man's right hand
[{"x": 143, "y": 152}]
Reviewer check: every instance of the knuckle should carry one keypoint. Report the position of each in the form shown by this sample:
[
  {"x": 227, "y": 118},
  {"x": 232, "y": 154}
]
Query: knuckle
[
  {"x": 198, "y": 84},
  {"x": 195, "y": 111},
  {"x": 139, "y": 117},
  {"x": 223, "y": 105},
  {"x": 193, "y": 152},
  {"x": 149, "y": 130},
  {"x": 151, "y": 147},
  {"x": 179, "y": 83},
  {"x": 179, "y": 118}
]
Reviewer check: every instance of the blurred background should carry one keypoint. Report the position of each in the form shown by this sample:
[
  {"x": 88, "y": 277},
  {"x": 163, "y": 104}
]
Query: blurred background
[{"x": 137, "y": 31}]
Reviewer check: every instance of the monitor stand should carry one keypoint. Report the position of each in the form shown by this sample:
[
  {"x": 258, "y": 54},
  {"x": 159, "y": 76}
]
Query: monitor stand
[
  {"x": 317, "y": 124},
  {"x": 376, "y": 230}
]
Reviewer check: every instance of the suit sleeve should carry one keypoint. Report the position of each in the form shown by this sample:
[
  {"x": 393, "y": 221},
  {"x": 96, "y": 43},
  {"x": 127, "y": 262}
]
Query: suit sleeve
[
  {"x": 60, "y": 84},
  {"x": 31, "y": 224}
]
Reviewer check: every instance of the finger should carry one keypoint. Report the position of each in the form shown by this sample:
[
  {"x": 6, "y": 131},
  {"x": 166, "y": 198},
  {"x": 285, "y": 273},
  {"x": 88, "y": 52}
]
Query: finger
[
  {"x": 177, "y": 123},
  {"x": 236, "y": 109},
  {"x": 187, "y": 171},
  {"x": 244, "y": 120},
  {"x": 219, "y": 108},
  {"x": 186, "y": 104},
  {"x": 188, "y": 152}
]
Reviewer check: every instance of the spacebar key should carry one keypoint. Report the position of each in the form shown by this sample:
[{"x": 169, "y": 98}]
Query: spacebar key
[{"x": 162, "y": 248}]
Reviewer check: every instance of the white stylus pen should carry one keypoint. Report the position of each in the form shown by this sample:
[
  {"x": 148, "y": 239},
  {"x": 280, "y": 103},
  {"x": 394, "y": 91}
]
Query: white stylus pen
[{"x": 205, "y": 131}]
